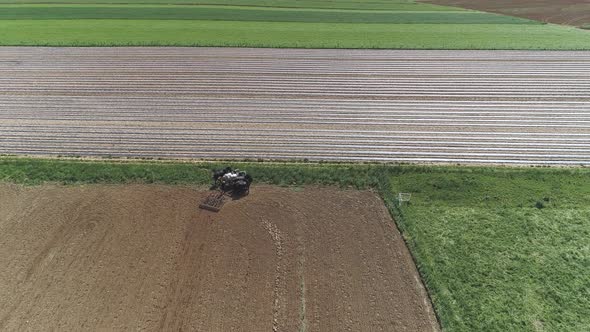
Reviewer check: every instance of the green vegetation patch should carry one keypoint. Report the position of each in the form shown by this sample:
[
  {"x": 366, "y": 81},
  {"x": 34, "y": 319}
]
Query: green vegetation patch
[
  {"x": 38, "y": 171},
  {"x": 56, "y": 12},
  {"x": 289, "y": 34},
  {"x": 397, "y": 24},
  {"x": 337, "y": 4},
  {"x": 500, "y": 249}
]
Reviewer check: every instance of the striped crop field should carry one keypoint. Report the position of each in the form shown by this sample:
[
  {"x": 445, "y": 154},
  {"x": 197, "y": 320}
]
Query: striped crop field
[
  {"x": 482, "y": 107},
  {"x": 398, "y": 24},
  {"x": 263, "y": 14}
]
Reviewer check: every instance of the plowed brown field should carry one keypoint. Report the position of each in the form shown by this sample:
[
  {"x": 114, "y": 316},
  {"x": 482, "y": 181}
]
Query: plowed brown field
[
  {"x": 571, "y": 12},
  {"x": 144, "y": 257}
]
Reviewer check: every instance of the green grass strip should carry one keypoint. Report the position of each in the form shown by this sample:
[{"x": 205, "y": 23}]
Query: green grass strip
[
  {"x": 37, "y": 171},
  {"x": 336, "y": 4},
  {"x": 56, "y": 12},
  {"x": 395, "y": 7},
  {"x": 289, "y": 34}
]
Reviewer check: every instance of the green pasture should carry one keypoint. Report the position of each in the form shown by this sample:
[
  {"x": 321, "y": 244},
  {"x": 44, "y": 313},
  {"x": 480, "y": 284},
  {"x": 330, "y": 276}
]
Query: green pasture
[{"x": 499, "y": 249}]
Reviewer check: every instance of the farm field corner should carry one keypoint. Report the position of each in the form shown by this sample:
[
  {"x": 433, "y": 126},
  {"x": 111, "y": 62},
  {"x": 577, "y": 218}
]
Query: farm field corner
[{"x": 498, "y": 248}]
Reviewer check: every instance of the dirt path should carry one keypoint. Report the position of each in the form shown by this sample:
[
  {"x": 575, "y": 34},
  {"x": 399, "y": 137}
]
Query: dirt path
[{"x": 144, "y": 257}]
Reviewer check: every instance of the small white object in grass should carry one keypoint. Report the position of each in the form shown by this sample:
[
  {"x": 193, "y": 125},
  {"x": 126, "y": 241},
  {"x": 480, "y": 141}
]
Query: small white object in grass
[{"x": 404, "y": 197}]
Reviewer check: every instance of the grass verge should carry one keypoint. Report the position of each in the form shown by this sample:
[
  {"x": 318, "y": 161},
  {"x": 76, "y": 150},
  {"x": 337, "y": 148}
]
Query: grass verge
[{"x": 499, "y": 249}]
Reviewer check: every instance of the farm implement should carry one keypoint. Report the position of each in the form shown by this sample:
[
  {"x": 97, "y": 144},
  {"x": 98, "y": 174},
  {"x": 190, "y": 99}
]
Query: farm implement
[{"x": 226, "y": 182}]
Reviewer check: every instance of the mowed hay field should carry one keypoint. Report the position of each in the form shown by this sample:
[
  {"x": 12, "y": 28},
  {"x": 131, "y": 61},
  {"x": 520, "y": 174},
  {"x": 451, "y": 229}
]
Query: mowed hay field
[
  {"x": 287, "y": 23},
  {"x": 144, "y": 257}
]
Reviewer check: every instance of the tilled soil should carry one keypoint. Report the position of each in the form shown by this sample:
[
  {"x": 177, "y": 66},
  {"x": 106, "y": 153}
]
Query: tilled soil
[
  {"x": 571, "y": 12},
  {"x": 145, "y": 257}
]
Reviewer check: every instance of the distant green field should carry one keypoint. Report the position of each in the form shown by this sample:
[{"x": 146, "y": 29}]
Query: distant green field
[
  {"x": 341, "y": 4},
  {"x": 394, "y": 24},
  {"x": 289, "y": 34},
  {"x": 231, "y": 13}
]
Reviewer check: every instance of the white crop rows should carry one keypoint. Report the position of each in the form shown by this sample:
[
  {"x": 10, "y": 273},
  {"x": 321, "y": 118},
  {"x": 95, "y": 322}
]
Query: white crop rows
[{"x": 496, "y": 107}]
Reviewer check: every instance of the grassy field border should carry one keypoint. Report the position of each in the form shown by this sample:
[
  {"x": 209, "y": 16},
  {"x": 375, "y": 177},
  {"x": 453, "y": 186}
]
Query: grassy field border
[{"x": 82, "y": 170}]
